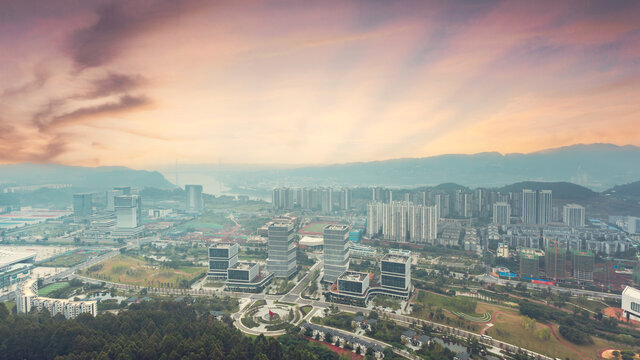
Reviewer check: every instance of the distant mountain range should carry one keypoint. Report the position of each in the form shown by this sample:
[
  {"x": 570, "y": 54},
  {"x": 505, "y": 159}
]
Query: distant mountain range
[
  {"x": 596, "y": 166},
  {"x": 89, "y": 178}
]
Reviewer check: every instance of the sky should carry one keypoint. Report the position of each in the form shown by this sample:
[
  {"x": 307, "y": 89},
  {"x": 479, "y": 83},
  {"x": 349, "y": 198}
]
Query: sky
[{"x": 147, "y": 83}]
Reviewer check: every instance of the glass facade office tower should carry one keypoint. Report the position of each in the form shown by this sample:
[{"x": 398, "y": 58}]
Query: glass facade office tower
[
  {"x": 281, "y": 259},
  {"x": 336, "y": 251}
]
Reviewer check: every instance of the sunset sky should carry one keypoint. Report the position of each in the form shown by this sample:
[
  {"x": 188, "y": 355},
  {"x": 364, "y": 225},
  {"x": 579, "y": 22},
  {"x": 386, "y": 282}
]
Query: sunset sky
[{"x": 146, "y": 83}]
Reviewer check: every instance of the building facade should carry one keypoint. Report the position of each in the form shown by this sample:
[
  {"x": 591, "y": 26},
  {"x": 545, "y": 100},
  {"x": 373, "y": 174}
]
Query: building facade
[
  {"x": 335, "y": 251},
  {"x": 281, "y": 259},
  {"x": 573, "y": 215},
  {"x": 222, "y": 256},
  {"x": 193, "y": 195}
]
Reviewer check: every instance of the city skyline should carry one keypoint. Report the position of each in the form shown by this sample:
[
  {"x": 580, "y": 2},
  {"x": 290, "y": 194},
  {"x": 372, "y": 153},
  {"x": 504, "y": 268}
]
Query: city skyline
[{"x": 111, "y": 83}]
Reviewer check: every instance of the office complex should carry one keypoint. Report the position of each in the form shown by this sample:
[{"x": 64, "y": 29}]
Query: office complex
[
  {"x": 573, "y": 215},
  {"x": 246, "y": 277},
  {"x": 353, "y": 283},
  {"x": 281, "y": 259},
  {"x": 402, "y": 221},
  {"x": 82, "y": 206},
  {"x": 536, "y": 207},
  {"x": 335, "y": 251},
  {"x": 27, "y": 298},
  {"x": 501, "y": 213},
  {"x": 111, "y": 196},
  {"x": 395, "y": 274},
  {"x": 128, "y": 211},
  {"x": 222, "y": 256},
  {"x": 193, "y": 195}
]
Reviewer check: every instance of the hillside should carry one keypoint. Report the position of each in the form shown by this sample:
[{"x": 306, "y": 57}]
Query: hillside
[
  {"x": 596, "y": 166},
  {"x": 561, "y": 190},
  {"x": 630, "y": 190},
  {"x": 88, "y": 178}
]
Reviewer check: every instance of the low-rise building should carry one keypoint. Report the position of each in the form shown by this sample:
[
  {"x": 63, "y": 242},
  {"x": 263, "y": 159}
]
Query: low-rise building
[
  {"x": 246, "y": 277},
  {"x": 631, "y": 303},
  {"x": 27, "y": 298}
]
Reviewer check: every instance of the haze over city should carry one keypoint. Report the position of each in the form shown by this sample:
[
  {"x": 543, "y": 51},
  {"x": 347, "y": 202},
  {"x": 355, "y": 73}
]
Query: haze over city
[{"x": 145, "y": 83}]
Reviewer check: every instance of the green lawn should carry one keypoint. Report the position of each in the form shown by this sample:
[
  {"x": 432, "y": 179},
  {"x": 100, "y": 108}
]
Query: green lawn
[
  {"x": 452, "y": 303},
  {"x": 386, "y": 301},
  {"x": 47, "y": 290}
]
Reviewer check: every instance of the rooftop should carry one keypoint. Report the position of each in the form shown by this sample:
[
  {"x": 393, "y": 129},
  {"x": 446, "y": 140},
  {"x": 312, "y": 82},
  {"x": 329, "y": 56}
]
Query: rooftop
[
  {"x": 353, "y": 276},
  {"x": 12, "y": 257},
  {"x": 396, "y": 258},
  {"x": 222, "y": 245},
  {"x": 243, "y": 266},
  {"x": 336, "y": 227}
]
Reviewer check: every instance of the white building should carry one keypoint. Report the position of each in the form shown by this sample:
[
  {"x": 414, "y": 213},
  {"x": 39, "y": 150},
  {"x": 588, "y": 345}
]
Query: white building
[
  {"x": 537, "y": 206},
  {"x": 501, "y": 213},
  {"x": 403, "y": 221},
  {"x": 503, "y": 250},
  {"x": 631, "y": 303},
  {"x": 27, "y": 298},
  {"x": 573, "y": 215}
]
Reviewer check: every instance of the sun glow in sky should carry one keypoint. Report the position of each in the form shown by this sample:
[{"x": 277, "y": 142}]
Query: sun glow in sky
[{"x": 145, "y": 83}]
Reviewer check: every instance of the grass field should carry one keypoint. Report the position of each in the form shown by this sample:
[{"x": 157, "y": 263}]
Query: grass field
[
  {"x": 47, "y": 290},
  {"x": 208, "y": 222},
  {"x": 130, "y": 270},
  {"x": 458, "y": 304},
  {"x": 386, "y": 301},
  {"x": 72, "y": 258}
]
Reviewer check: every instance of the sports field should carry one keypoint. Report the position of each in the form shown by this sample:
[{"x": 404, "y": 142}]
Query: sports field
[
  {"x": 132, "y": 270},
  {"x": 47, "y": 290},
  {"x": 314, "y": 228}
]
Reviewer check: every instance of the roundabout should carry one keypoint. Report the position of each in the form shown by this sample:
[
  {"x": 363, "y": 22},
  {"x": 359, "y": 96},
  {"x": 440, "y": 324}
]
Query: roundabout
[{"x": 268, "y": 317}]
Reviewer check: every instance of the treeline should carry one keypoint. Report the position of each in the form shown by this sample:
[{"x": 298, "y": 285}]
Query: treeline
[{"x": 153, "y": 330}]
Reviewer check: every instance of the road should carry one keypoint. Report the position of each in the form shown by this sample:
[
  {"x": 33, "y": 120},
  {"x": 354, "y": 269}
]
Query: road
[{"x": 595, "y": 294}]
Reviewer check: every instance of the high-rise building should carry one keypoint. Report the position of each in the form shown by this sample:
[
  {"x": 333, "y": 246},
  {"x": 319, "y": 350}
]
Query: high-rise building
[
  {"x": 573, "y": 215},
  {"x": 403, "y": 221},
  {"x": 335, "y": 251},
  {"x": 281, "y": 259},
  {"x": 222, "y": 256},
  {"x": 536, "y": 207},
  {"x": 193, "y": 195},
  {"x": 128, "y": 211},
  {"x": 529, "y": 207},
  {"x": 544, "y": 207},
  {"x": 395, "y": 272},
  {"x": 501, "y": 213},
  {"x": 327, "y": 200},
  {"x": 82, "y": 206}
]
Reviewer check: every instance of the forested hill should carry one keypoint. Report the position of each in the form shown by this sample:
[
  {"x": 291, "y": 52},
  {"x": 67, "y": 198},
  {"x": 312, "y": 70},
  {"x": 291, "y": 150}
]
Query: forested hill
[
  {"x": 164, "y": 330},
  {"x": 561, "y": 190}
]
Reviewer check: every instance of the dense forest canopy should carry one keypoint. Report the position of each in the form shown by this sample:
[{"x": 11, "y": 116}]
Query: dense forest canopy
[{"x": 152, "y": 330}]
